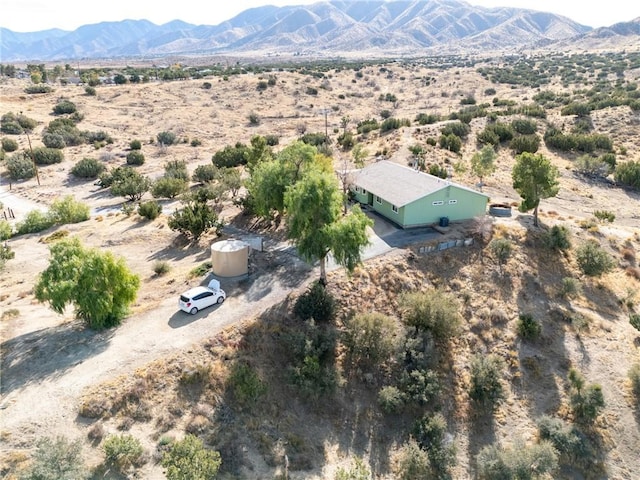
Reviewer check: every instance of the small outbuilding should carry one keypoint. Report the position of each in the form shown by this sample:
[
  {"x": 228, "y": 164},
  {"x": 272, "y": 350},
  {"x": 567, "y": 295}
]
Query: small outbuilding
[
  {"x": 230, "y": 258},
  {"x": 410, "y": 198}
]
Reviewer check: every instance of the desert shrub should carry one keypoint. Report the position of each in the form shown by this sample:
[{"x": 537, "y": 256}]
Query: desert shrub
[
  {"x": 604, "y": 216},
  {"x": 33, "y": 222},
  {"x": 40, "y": 88},
  {"x": 569, "y": 288},
  {"x": 370, "y": 337},
  {"x": 6, "y": 253},
  {"x": 194, "y": 219},
  {"x": 55, "y": 459},
  {"x": 99, "y": 137},
  {"x": 9, "y": 144},
  {"x": 524, "y": 126},
  {"x": 20, "y": 167},
  {"x": 64, "y": 107},
  {"x": 166, "y": 187},
  {"x": 557, "y": 238},
  {"x": 47, "y": 156},
  {"x": 522, "y": 462},
  {"x": 272, "y": 140},
  {"x": 593, "y": 260},
  {"x": 9, "y": 124},
  {"x": 432, "y": 311},
  {"x": 315, "y": 139},
  {"x": 586, "y": 400},
  {"x": 420, "y": 386},
  {"x": 67, "y": 210},
  {"x": 486, "y": 388},
  {"x": 53, "y": 140},
  {"x": 628, "y": 173},
  {"x": 450, "y": 142},
  {"x": 150, "y": 210},
  {"x": 206, "y": 173},
  {"x": 316, "y": 303},
  {"x": 90, "y": 91},
  {"x": 427, "y": 118},
  {"x": 634, "y": 320},
  {"x": 254, "y": 119},
  {"x": 525, "y": 143},
  {"x": 195, "y": 142},
  {"x": 176, "y": 169},
  {"x": 358, "y": 471},
  {"x": 67, "y": 128},
  {"x": 366, "y": 126},
  {"x": 570, "y": 443},
  {"x": 6, "y": 230},
  {"x": 126, "y": 182},
  {"x": 393, "y": 124},
  {"x": 135, "y": 157},
  {"x": 135, "y": 145},
  {"x": 87, "y": 168},
  {"x": 528, "y": 328},
  {"x": 438, "y": 170},
  {"x": 161, "y": 267},
  {"x": 592, "y": 166},
  {"x": 634, "y": 378},
  {"x": 390, "y": 399},
  {"x": 231, "y": 156},
  {"x": 411, "y": 462},
  {"x": 430, "y": 433},
  {"x": 188, "y": 459},
  {"x": 166, "y": 138},
  {"x": 501, "y": 250},
  {"x": 123, "y": 451},
  {"x": 246, "y": 385}
]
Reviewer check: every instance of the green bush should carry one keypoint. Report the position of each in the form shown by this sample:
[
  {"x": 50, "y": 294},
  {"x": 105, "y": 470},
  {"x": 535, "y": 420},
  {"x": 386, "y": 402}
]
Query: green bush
[
  {"x": 370, "y": 337},
  {"x": 166, "y": 138},
  {"x": 558, "y": 238},
  {"x": 316, "y": 303},
  {"x": 634, "y": 320},
  {"x": 390, "y": 399},
  {"x": 628, "y": 173},
  {"x": 604, "y": 216},
  {"x": 135, "y": 157},
  {"x": 9, "y": 145},
  {"x": 450, "y": 142},
  {"x": 188, "y": 459},
  {"x": 90, "y": 91},
  {"x": 528, "y": 328},
  {"x": 176, "y": 169},
  {"x": 206, "y": 173},
  {"x": 246, "y": 385},
  {"x": 20, "y": 167},
  {"x": 47, "y": 156},
  {"x": 634, "y": 378},
  {"x": 40, "y": 88},
  {"x": 123, "y": 452},
  {"x": 67, "y": 210},
  {"x": 168, "y": 187},
  {"x": 6, "y": 253},
  {"x": 33, "y": 222},
  {"x": 430, "y": 433},
  {"x": 64, "y": 107},
  {"x": 522, "y": 462},
  {"x": 393, "y": 124},
  {"x": 67, "y": 128},
  {"x": 126, "y": 182},
  {"x": 486, "y": 388},
  {"x": 524, "y": 126},
  {"x": 420, "y": 386},
  {"x": 150, "y": 210},
  {"x": 570, "y": 443},
  {"x": 87, "y": 168},
  {"x": 358, "y": 471},
  {"x": 231, "y": 156},
  {"x": 459, "y": 129},
  {"x": 433, "y": 311},
  {"x": 53, "y": 140},
  {"x": 412, "y": 463},
  {"x": 56, "y": 459},
  {"x": 161, "y": 267},
  {"x": 593, "y": 260},
  {"x": 194, "y": 219},
  {"x": 135, "y": 145},
  {"x": 586, "y": 400},
  {"x": 525, "y": 143},
  {"x": 570, "y": 288},
  {"x": 6, "y": 230}
]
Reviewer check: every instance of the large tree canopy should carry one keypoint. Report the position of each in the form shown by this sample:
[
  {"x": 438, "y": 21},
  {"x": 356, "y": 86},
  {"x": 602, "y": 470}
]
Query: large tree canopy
[
  {"x": 316, "y": 225},
  {"x": 534, "y": 178},
  {"x": 99, "y": 285}
]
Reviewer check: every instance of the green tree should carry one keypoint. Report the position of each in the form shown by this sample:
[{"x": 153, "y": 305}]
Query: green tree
[
  {"x": 129, "y": 183},
  {"x": 433, "y": 311},
  {"x": 534, "y": 178},
  {"x": 593, "y": 260},
  {"x": 483, "y": 163},
  {"x": 68, "y": 210},
  {"x": 100, "y": 286},
  {"x": 55, "y": 459},
  {"x": 316, "y": 226},
  {"x": 188, "y": 459},
  {"x": 194, "y": 219}
]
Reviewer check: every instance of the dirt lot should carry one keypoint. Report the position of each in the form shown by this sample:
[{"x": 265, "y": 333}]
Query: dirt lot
[{"x": 49, "y": 360}]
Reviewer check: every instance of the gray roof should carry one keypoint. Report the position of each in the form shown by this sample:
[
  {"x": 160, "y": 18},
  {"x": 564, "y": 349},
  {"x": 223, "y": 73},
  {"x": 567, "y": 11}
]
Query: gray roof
[{"x": 400, "y": 185}]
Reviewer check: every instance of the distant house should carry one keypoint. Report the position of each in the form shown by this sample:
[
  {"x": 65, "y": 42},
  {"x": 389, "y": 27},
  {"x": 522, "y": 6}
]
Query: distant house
[{"x": 410, "y": 198}]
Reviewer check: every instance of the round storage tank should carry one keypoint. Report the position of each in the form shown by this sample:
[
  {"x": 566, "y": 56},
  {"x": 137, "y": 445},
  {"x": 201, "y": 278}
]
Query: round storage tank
[{"x": 230, "y": 258}]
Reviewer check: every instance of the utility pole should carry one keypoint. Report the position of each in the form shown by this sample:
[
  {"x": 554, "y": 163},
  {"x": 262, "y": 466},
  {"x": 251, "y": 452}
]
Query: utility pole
[
  {"x": 325, "y": 112},
  {"x": 33, "y": 157}
]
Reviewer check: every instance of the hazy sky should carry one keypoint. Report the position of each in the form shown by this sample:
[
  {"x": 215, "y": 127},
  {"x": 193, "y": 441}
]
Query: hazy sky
[{"x": 34, "y": 15}]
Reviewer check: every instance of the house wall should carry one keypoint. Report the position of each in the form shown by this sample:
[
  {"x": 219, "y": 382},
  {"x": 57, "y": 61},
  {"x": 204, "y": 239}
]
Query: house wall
[{"x": 457, "y": 204}]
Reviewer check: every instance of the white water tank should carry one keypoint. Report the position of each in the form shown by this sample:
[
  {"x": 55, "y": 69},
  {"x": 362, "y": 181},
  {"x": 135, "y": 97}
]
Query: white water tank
[{"x": 230, "y": 258}]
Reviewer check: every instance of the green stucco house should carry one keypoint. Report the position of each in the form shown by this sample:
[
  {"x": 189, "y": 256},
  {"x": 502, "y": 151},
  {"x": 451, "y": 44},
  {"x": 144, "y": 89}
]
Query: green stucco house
[{"x": 410, "y": 198}]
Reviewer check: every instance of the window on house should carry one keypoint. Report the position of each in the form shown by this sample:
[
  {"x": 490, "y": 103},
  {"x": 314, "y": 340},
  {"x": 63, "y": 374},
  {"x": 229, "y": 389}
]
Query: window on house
[
  {"x": 437, "y": 203},
  {"x": 394, "y": 208},
  {"x": 453, "y": 202},
  {"x": 364, "y": 191},
  {"x": 378, "y": 199},
  {"x": 357, "y": 189}
]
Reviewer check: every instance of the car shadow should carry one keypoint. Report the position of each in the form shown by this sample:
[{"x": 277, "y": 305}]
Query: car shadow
[{"x": 182, "y": 319}]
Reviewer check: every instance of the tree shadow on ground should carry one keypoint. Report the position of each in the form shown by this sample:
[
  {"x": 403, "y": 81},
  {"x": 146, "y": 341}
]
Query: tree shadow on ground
[{"x": 48, "y": 353}]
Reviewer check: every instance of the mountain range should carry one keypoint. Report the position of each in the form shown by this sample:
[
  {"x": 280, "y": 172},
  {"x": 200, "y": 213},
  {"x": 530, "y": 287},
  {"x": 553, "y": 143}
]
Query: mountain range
[{"x": 377, "y": 27}]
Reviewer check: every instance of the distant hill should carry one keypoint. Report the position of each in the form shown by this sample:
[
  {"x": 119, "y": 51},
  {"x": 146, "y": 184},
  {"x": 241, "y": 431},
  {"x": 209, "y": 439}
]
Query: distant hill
[{"x": 385, "y": 27}]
